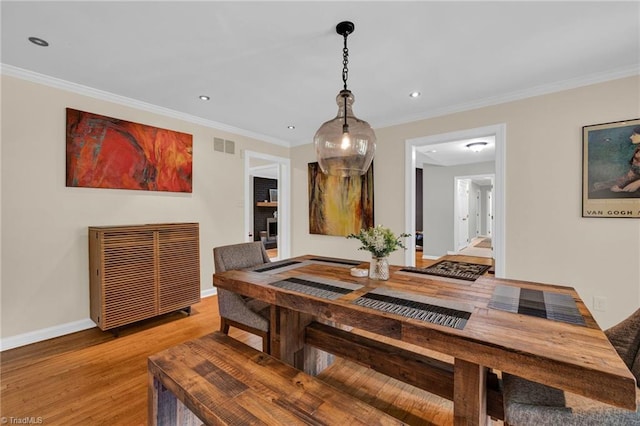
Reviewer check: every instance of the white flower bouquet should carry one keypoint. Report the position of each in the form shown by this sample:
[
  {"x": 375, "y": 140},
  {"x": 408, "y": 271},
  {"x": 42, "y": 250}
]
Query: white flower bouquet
[{"x": 379, "y": 241}]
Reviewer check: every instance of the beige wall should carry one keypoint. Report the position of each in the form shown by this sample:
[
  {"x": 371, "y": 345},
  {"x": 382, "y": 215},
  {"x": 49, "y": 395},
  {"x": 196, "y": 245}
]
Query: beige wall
[
  {"x": 44, "y": 223},
  {"x": 546, "y": 238}
]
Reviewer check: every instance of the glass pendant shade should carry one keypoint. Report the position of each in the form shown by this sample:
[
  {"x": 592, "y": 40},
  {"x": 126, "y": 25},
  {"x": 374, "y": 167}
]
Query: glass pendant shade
[{"x": 345, "y": 147}]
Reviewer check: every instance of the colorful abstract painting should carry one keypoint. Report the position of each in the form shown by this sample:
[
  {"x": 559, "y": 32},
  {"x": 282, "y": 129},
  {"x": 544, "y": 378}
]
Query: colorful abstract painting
[
  {"x": 337, "y": 205},
  {"x": 105, "y": 152}
]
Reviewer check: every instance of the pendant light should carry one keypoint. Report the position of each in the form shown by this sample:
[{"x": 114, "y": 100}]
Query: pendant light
[{"x": 345, "y": 145}]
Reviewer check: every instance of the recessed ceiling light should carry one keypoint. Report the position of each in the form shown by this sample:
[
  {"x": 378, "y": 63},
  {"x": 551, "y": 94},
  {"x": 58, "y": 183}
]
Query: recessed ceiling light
[
  {"x": 40, "y": 42},
  {"x": 204, "y": 97},
  {"x": 415, "y": 94},
  {"x": 476, "y": 146},
  {"x": 291, "y": 127}
]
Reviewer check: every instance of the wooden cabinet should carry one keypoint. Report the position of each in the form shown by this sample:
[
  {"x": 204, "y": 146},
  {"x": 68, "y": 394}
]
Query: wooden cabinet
[{"x": 140, "y": 271}]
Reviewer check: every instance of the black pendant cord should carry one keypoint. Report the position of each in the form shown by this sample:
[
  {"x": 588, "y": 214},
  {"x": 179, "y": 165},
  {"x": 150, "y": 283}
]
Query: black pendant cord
[
  {"x": 345, "y": 62},
  {"x": 345, "y": 76},
  {"x": 344, "y": 29}
]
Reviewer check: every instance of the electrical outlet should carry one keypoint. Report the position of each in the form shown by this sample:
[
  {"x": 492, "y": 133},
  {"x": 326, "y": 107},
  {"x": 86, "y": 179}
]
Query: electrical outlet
[{"x": 599, "y": 303}]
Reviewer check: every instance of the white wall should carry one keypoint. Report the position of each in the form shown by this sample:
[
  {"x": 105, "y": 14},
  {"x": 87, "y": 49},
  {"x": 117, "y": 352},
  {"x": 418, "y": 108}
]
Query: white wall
[
  {"x": 546, "y": 238},
  {"x": 438, "y": 204},
  {"x": 44, "y": 223}
]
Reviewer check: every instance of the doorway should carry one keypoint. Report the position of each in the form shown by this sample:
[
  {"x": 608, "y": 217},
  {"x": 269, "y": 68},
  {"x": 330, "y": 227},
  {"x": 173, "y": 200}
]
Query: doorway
[
  {"x": 259, "y": 165},
  {"x": 472, "y": 215},
  {"x": 498, "y": 203}
]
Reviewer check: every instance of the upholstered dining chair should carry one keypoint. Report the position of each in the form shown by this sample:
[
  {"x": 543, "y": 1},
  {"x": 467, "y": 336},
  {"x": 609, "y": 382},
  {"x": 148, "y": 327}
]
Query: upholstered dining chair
[
  {"x": 236, "y": 310},
  {"x": 528, "y": 403}
]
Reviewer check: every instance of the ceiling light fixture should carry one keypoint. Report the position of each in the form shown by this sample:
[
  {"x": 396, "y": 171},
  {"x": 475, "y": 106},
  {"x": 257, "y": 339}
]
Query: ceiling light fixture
[
  {"x": 415, "y": 94},
  {"x": 345, "y": 146},
  {"x": 204, "y": 97},
  {"x": 476, "y": 146},
  {"x": 40, "y": 42},
  {"x": 292, "y": 127}
]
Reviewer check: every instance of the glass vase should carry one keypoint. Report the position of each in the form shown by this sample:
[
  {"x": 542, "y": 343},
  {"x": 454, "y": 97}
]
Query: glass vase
[{"x": 379, "y": 268}]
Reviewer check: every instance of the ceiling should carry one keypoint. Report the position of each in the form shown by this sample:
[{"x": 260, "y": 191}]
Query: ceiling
[
  {"x": 455, "y": 153},
  {"x": 267, "y": 65}
]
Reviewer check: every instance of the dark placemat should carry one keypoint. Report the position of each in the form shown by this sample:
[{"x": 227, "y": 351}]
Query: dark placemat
[
  {"x": 416, "y": 309},
  {"x": 336, "y": 261},
  {"x": 452, "y": 269},
  {"x": 276, "y": 265},
  {"x": 326, "y": 289},
  {"x": 537, "y": 303}
]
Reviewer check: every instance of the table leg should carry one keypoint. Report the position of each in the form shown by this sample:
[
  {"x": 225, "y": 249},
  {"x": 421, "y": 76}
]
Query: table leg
[
  {"x": 469, "y": 393},
  {"x": 287, "y": 341}
]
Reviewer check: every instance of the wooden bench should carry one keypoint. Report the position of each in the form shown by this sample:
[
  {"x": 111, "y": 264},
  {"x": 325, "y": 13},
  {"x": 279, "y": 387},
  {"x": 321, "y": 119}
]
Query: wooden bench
[
  {"x": 217, "y": 380},
  {"x": 432, "y": 375}
]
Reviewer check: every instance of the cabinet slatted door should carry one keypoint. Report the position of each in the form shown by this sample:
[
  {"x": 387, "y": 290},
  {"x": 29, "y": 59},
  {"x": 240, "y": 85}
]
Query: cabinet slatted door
[
  {"x": 179, "y": 267},
  {"x": 128, "y": 277},
  {"x": 137, "y": 272}
]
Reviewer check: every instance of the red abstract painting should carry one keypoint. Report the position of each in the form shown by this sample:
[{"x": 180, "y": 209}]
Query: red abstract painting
[{"x": 104, "y": 152}]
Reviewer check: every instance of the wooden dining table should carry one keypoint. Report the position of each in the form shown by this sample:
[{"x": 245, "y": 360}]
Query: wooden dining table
[{"x": 541, "y": 332}]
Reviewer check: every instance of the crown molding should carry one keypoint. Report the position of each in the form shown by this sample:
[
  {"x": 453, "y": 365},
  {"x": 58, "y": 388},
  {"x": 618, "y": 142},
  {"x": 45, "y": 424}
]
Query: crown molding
[
  {"x": 544, "y": 89},
  {"x": 102, "y": 95},
  {"x": 540, "y": 90}
]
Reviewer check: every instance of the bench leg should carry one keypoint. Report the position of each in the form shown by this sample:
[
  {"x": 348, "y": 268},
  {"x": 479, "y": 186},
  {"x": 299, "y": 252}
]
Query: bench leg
[{"x": 165, "y": 409}]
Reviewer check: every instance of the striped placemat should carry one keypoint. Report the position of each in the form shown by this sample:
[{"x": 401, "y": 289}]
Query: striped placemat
[
  {"x": 334, "y": 261},
  {"x": 543, "y": 304},
  {"x": 279, "y": 266},
  {"x": 429, "y": 309},
  {"x": 289, "y": 264},
  {"x": 315, "y": 286}
]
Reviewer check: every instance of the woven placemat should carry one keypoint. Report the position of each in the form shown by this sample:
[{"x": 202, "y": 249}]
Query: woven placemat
[
  {"x": 315, "y": 286},
  {"x": 537, "y": 303},
  {"x": 452, "y": 269},
  {"x": 429, "y": 309}
]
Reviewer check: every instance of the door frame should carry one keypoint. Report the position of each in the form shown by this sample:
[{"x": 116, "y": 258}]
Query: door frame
[
  {"x": 284, "y": 199},
  {"x": 499, "y": 131}
]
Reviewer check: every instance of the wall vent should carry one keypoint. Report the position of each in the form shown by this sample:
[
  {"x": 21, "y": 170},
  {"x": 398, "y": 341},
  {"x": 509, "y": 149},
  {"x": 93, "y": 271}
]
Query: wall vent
[
  {"x": 218, "y": 144},
  {"x": 229, "y": 147},
  {"x": 223, "y": 145}
]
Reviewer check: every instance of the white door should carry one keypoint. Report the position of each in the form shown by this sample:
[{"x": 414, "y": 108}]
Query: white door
[
  {"x": 489, "y": 213},
  {"x": 462, "y": 194},
  {"x": 478, "y": 213}
]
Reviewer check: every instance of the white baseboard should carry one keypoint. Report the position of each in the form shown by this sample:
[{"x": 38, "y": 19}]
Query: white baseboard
[
  {"x": 45, "y": 334},
  {"x": 209, "y": 292},
  {"x": 426, "y": 256},
  {"x": 61, "y": 330}
]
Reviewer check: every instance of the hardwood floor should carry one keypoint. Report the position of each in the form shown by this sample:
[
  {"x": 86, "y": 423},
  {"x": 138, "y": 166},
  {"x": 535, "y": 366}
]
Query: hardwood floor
[{"x": 94, "y": 378}]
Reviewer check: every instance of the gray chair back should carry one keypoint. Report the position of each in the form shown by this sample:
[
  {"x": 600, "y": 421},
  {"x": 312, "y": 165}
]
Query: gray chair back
[{"x": 239, "y": 256}]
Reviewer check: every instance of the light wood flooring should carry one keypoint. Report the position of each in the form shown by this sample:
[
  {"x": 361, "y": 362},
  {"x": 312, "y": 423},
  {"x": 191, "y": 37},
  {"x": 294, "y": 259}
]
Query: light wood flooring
[{"x": 94, "y": 378}]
